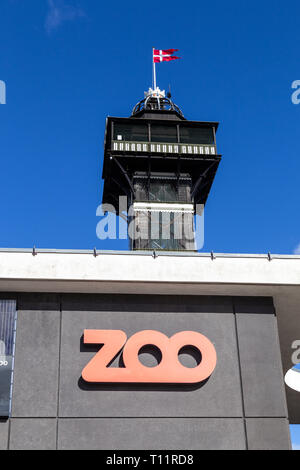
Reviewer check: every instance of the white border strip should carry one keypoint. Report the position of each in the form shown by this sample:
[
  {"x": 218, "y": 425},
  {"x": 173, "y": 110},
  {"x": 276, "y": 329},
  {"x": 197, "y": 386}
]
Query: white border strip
[{"x": 161, "y": 207}]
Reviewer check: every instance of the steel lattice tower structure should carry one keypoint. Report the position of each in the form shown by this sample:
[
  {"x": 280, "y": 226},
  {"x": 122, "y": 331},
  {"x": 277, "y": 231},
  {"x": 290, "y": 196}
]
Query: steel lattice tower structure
[{"x": 165, "y": 165}]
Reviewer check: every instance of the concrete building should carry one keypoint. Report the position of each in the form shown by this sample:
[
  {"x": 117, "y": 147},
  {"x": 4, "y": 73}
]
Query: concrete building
[
  {"x": 242, "y": 309},
  {"x": 247, "y": 305}
]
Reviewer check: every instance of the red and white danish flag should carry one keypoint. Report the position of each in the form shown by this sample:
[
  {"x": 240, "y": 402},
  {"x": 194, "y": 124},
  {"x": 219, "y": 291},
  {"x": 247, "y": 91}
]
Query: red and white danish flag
[{"x": 164, "y": 55}]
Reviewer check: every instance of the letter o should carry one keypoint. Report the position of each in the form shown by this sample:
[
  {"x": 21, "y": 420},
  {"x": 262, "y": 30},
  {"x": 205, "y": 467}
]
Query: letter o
[
  {"x": 140, "y": 339},
  {"x": 209, "y": 356},
  {"x": 170, "y": 370}
]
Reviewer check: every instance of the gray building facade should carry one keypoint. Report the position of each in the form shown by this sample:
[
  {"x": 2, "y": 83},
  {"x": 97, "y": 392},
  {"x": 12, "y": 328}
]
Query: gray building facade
[{"x": 241, "y": 406}]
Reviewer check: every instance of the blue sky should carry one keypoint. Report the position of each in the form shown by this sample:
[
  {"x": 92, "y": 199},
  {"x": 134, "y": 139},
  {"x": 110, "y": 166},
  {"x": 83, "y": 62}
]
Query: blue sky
[{"x": 67, "y": 64}]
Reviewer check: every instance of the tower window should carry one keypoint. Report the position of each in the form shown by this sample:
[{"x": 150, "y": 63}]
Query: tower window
[
  {"x": 164, "y": 230},
  {"x": 162, "y": 191},
  {"x": 136, "y": 132},
  {"x": 196, "y": 135},
  {"x": 164, "y": 133}
]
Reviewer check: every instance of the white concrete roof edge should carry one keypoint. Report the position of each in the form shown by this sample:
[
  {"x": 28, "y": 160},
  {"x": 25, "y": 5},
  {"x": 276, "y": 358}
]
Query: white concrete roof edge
[
  {"x": 36, "y": 251},
  {"x": 164, "y": 269}
]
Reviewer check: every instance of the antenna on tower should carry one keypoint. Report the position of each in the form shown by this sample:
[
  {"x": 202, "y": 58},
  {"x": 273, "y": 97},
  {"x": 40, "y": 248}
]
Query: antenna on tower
[
  {"x": 154, "y": 70},
  {"x": 169, "y": 94}
]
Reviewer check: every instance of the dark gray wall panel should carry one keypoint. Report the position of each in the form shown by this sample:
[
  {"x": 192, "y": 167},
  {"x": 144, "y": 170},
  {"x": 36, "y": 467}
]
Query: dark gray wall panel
[
  {"x": 95, "y": 416},
  {"x": 219, "y": 397},
  {"x": 263, "y": 383},
  {"x": 4, "y": 425},
  {"x": 147, "y": 303},
  {"x": 33, "y": 434},
  {"x": 254, "y": 305},
  {"x": 36, "y": 364},
  {"x": 268, "y": 434},
  {"x": 151, "y": 433},
  {"x": 38, "y": 301}
]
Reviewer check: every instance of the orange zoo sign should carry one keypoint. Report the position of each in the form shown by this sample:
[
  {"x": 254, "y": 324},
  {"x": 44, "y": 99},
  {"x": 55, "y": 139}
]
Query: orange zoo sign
[{"x": 169, "y": 370}]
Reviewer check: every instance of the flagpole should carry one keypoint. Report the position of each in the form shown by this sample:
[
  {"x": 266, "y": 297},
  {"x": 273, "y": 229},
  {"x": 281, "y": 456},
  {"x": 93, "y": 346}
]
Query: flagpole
[{"x": 154, "y": 70}]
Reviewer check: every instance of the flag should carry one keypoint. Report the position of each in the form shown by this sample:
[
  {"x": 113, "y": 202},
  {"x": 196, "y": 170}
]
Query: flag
[{"x": 164, "y": 55}]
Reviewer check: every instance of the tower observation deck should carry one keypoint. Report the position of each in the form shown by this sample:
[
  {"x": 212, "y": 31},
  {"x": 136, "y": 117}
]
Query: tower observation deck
[{"x": 165, "y": 165}]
